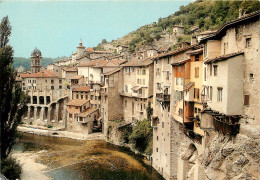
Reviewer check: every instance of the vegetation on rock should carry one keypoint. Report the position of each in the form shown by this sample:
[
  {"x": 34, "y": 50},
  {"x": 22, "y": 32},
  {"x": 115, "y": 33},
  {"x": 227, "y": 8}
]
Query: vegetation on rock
[{"x": 142, "y": 136}]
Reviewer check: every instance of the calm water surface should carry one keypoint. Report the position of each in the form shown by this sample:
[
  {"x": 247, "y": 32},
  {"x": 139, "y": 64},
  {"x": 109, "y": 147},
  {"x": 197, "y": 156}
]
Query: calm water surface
[{"x": 69, "y": 159}]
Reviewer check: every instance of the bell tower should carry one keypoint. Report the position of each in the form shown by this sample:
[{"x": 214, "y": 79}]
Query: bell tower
[{"x": 36, "y": 60}]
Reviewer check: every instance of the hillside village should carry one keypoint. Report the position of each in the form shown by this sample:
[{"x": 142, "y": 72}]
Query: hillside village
[{"x": 204, "y": 97}]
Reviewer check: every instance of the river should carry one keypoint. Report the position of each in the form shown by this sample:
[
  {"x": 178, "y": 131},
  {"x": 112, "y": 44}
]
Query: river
[{"x": 68, "y": 159}]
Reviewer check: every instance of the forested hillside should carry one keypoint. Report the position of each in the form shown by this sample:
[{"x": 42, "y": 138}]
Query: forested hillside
[
  {"x": 26, "y": 62},
  {"x": 205, "y": 14}
]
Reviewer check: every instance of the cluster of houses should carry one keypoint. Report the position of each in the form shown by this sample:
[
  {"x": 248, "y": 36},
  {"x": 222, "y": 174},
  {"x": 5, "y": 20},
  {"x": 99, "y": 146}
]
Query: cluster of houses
[{"x": 210, "y": 84}]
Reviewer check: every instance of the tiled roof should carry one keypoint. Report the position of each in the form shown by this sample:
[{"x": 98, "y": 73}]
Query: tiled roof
[
  {"x": 113, "y": 71},
  {"x": 197, "y": 51},
  {"x": 87, "y": 112},
  {"x": 223, "y": 57},
  {"x": 41, "y": 74},
  {"x": 82, "y": 88},
  {"x": 89, "y": 49},
  {"x": 138, "y": 62},
  {"x": 70, "y": 69},
  {"x": 176, "y": 51},
  {"x": 118, "y": 61},
  {"x": 77, "y": 102},
  {"x": 77, "y": 77},
  {"x": 93, "y": 63},
  {"x": 177, "y": 63},
  {"x": 188, "y": 86}
]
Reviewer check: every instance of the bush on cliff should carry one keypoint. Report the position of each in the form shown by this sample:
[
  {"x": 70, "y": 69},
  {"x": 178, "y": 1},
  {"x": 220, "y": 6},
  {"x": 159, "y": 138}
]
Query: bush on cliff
[{"x": 141, "y": 136}]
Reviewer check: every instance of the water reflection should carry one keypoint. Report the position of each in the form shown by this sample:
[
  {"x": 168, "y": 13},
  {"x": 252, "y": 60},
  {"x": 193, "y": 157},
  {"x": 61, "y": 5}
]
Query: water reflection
[{"x": 79, "y": 160}]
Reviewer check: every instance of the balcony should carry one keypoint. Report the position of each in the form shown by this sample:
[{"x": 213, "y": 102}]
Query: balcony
[{"x": 163, "y": 97}]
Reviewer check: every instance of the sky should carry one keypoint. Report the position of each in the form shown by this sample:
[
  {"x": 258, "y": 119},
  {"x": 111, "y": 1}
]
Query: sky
[{"x": 56, "y": 27}]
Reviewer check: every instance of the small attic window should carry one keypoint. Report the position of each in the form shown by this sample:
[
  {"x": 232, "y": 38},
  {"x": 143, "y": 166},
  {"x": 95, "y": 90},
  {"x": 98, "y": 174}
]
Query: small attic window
[{"x": 248, "y": 42}]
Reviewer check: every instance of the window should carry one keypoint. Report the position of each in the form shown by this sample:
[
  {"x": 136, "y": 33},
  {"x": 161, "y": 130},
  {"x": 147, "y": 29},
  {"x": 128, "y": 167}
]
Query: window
[
  {"x": 220, "y": 90},
  {"x": 196, "y": 93},
  {"x": 156, "y": 62},
  {"x": 77, "y": 96},
  {"x": 86, "y": 97},
  {"x": 181, "y": 81},
  {"x": 144, "y": 72},
  {"x": 46, "y": 80},
  {"x": 162, "y": 124},
  {"x": 205, "y": 50},
  {"x": 179, "y": 68},
  {"x": 125, "y": 103},
  {"x": 168, "y": 60},
  {"x": 248, "y": 43},
  {"x": 246, "y": 100},
  {"x": 205, "y": 74},
  {"x": 60, "y": 81},
  {"x": 157, "y": 138},
  {"x": 138, "y": 72},
  {"x": 126, "y": 69},
  {"x": 180, "y": 112},
  {"x": 215, "y": 70},
  {"x": 251, "y": 76},
  {"x": 167, "y": 75},
  {"x": 158, "y": 86},
  {"x": 211, "y": 92},
  {"x": 210, "y": 69},
  {"x": 52, "y": 81},
  {"x": 137, "y": 81},
  {"x": 126, "y": 88},
  {"x": 60, "y": 87},
  {"x": 177, "y": 81},
  {"x": 81, "y": 96},
  {"x": 197, "y": 57},
  {"x": 196, "y": 110},
  {"x": 52, "y": 87},
  {"x": 70, "y": 115},
  {"x": 196, "y": 72},
  {"x": 157, "y": 71}
]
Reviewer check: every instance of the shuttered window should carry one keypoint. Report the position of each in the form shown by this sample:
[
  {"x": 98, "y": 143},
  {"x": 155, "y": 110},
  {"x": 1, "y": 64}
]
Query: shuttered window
[
  {"x": 196, "y": 72},
  {"x": 246, "y": 100}
]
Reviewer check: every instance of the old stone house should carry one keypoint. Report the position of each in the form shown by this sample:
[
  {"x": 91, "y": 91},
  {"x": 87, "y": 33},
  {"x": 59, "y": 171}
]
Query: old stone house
[{"x": 137, "y": 89}]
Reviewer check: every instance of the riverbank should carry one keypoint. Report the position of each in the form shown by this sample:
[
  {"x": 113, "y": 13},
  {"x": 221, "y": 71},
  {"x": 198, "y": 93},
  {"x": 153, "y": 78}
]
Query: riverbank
[
  {"x": 31, "y": 170},
  {"x": 60, "y": 133},
  {"x": 45, "y": 157}
]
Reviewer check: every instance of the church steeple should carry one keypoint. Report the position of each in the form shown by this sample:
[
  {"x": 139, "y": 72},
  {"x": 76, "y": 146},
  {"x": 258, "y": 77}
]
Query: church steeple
[{"x": 36, "y": 60}]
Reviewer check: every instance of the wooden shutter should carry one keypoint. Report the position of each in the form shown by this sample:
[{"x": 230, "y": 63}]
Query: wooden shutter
[{"x": 246, "y": 100}]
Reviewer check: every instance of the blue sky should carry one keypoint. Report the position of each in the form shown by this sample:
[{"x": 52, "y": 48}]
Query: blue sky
[{"x": 55, "y": 27}]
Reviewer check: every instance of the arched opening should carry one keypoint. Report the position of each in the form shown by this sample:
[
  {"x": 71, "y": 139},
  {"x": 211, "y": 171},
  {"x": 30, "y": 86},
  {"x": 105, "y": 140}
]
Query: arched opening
[{"x": 41, "y": 100}]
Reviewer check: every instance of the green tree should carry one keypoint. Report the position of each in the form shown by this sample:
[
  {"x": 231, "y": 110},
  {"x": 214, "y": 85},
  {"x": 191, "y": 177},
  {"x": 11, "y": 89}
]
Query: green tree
[
  {"x": 12, "y": 99},
  {"x": 142, "y": 136}
]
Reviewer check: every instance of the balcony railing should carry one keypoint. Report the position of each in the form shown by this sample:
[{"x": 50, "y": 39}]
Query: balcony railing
[{"x": 163, "y": 97}]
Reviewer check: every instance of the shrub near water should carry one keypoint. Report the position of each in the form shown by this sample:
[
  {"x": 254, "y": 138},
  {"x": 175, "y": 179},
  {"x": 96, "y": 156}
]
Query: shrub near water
[
  {"x": 11, "y": 169},
  {"x": 142, "y": 136}
]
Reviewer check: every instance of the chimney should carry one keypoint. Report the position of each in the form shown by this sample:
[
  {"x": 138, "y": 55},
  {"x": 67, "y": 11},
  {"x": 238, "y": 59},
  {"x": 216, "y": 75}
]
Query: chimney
[{"x": 240, "y": 13}]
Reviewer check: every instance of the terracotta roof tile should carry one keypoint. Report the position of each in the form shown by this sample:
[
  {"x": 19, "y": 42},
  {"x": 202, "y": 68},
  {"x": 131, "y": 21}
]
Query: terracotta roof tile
[
  {"x": 113, "y": 71},
  {"x": 223, "y": 57},
  {"x": 177, "y": 63},
  {"x": 82, "y": 88},
  {"x": 188, "y": 86},
  {"x": 89, "y": 49},
  {"x": 77, "y": 77},
  {"x": 41, "y": 74},
  {"x": 77, "y": 102},
  {"x": 70, "y": 69},
  {"x": 87, "y": 112}
]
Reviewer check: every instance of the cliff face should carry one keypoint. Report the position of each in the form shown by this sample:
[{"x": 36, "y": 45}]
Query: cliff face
[{"x": 233, "y": 158}]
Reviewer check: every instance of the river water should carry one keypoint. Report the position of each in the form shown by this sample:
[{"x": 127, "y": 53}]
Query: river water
[{"x": 69, "y": 159}]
